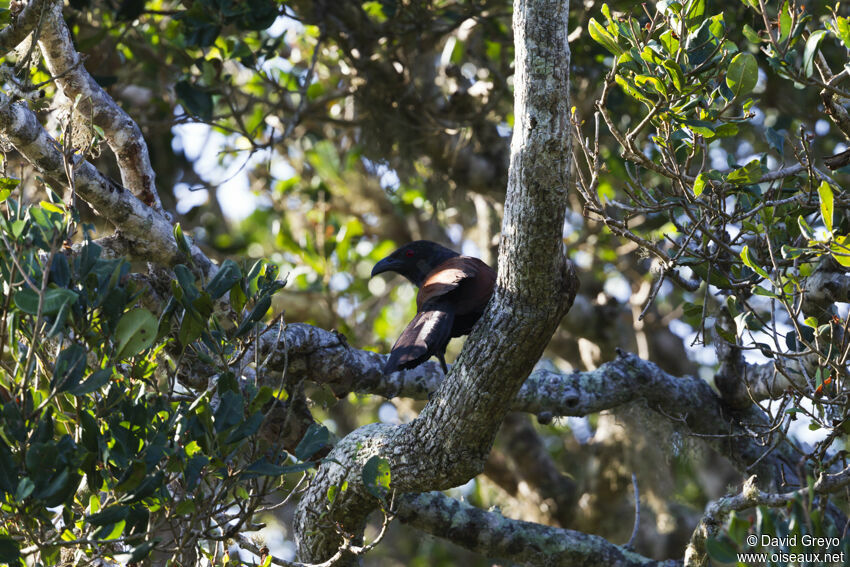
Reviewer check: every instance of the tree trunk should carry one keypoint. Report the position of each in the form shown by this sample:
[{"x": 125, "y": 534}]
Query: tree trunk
[{"x": 449, "y": 442}]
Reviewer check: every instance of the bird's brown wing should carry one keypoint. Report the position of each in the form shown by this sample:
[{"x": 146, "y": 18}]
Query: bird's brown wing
[
  {"x": 468, "y": 280},
  {"x": 440, "y": 282}
]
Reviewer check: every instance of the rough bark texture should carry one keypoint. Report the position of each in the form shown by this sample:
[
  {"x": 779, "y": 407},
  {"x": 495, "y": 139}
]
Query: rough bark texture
[
  {"x": 449, "y": 442},
  {"x": 122, "y": 133},
  {"x": 23, "y": 23},
  {"x": 525, "y": 543}
]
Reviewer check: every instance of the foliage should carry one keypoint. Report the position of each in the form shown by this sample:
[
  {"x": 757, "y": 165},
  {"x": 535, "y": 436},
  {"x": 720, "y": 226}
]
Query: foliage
[
  {"x": 745, "y": 238},
  {"x": 95, "y": 429}
]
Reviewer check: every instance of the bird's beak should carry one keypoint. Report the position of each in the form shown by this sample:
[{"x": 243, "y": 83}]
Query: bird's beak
[{"x": 385, "y": 265}]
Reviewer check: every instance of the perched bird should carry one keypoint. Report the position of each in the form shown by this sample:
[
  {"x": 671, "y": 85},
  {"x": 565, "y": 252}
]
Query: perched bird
[{"x": 453, "y": 292}]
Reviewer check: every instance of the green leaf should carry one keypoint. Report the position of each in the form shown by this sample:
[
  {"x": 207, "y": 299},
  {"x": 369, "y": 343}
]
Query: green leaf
[
  {"x": 247, "y": 428},
  {"x": 227, "y": 276},
  {"x": 805, "y": 229},
  {"x": 785, "y": 20},
  {"x": 775, "y": 140},
  {"x": 135, "y": 332},
  {"x": 54, "y": 493},
  {"x": 298, "y": 467},
  {"x": 699, "y": 184},
  {"x": 670, "y": 42},
  {"x": 314, "y": 439},
  {"x": 95, "y": 381},
  {"x": 726, "y": 130},
  {"x": 750, "y": 173},
  {"x": 826, "y": 204},
  {"x": 190, "y": 329},
  {"x": 139, "y": 552},
  {"x": 60, "y": 270},
  {"x": 652, "y": 84},
  {"x": 672, "y": 6},
  {"x": 375, "y": 10},
  {"x": 54, "y": 298},
  {"x": 18, "y": 227},
  {"x": 809, "y": 53},
  {"x": 110, "y": 531},
  {"x": 193, "y": 469},
  {"x": 376, "y": 477},
  {"x": 702, "y": 44},
  {"x": 692, "y": 314},
  {"x": 69, "y": 367},
  {"x": 751, "y": 34},
  {"x": 696, "y": 10},
  {"x": 186, "y": 281},
  {"x": 48, "y": 206},
  {"x": 264, "y": 468},
  {"x": 748, "y": 260},
  {"x": 840, "y": 250},
  {"x": 258, "y": 312},
  {"x": 7, "y": 185},
  {"x": 701, "y": 127},
  {"x": 649, "y": 55},
  {"x": 721, "y": 550},
  {"x": 717, "y": 26},
  {"x": 742, "y": 74},
  {"x": 182, "y": 241},
  {"x": 108, "y": 516},
  {"x": 229, "y": 411},
  {"x": 630, "y": 90},
  {"x": 791, "y": 341},
  {"x": 25, "y": 488},
  {"x": 601, "y": 36},
  {"x": 842, "y": 30},
  {"x": 675, "y": 73}
]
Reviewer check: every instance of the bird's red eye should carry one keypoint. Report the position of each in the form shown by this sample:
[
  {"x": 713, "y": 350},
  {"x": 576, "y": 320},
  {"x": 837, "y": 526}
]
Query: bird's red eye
[{"x": 408, "y": 253}]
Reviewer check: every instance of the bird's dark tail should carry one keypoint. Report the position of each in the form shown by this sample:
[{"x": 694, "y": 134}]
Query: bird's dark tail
[{"x": 425, "y": 336}]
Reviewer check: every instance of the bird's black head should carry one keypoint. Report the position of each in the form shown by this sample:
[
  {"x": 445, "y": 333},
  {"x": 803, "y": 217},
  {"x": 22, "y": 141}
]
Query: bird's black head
[{"x": 415, "y": 260}]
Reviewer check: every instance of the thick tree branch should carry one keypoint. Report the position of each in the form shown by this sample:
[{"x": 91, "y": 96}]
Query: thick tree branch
[
  {"x": 689, "y": 402},
  {"x": 526, "y": 543},
  {"x": 22, "y": 25},
  {"x": 122, "y": 133}
]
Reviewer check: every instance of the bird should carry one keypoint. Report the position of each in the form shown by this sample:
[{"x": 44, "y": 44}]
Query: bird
[{"x": 453, "y": 292}]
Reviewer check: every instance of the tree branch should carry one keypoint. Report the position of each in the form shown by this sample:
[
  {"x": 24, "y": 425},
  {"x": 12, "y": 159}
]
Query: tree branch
[
  {"x": 150, "y": 234},
  {"x": 526, "y": 543},
  {"x": 689, "y": 402},
  {"x": 22, "y": 25},
  {"x": 122, "y": 133},
  {"x": 750, "y": 497}
]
